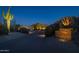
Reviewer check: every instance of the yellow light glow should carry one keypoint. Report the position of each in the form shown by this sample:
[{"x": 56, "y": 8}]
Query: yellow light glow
[
  {"x": 66, "y": 21},
  {"x": 64, "y": 34},
  {"x": 8, "y": 19}
]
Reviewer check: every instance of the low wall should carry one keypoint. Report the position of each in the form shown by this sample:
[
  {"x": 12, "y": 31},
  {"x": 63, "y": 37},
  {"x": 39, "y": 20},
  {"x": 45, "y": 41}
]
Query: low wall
[{"x": 64, "y": 34}]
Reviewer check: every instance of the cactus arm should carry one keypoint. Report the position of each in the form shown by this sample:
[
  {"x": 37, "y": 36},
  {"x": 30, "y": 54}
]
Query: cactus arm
[
  {"x": 11, "y": 17},
  {"x": 8, "y": 13},
  {"x": 3, "y": 15}
]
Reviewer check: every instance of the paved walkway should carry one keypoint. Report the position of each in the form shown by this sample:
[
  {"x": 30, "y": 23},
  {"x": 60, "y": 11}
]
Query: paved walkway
[
  {"x": 10, "y": 36},
  {"x": 19, "y": 42}
]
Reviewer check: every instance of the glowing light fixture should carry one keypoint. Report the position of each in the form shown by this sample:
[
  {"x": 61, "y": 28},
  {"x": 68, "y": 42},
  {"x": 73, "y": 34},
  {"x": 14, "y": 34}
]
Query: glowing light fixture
[{"x": 66, "y": 21}]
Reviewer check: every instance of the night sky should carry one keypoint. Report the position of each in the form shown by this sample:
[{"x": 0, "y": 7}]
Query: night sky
[{"x": 28, "y": 15}]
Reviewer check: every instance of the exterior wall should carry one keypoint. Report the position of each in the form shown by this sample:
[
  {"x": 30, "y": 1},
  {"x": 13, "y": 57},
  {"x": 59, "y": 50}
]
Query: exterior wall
[
  {"x": 38, "y": 26},
  {"x": 65, "y": 30},
  {"x": 64, "y": 34}
]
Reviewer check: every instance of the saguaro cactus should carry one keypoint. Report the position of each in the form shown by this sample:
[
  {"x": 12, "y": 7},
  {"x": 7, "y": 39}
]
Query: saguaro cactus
[{"x": 8, "y": 17}]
